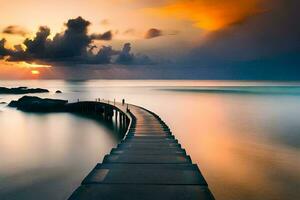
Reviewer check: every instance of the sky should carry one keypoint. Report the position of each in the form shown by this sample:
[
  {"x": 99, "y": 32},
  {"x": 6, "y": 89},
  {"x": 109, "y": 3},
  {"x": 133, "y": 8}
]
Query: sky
[{"x": 144, "y": 39}]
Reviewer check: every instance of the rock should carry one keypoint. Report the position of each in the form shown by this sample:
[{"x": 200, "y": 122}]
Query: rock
[
  {"x": 13, "y": 104},
  {"x": 58, "y": 92},
  {"x": 22, "y": 90},
  {"x": 36, "y": 104}
]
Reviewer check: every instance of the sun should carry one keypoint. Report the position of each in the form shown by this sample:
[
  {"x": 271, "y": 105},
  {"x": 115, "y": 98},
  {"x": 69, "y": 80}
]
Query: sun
[{"x": 35, "y": 72}]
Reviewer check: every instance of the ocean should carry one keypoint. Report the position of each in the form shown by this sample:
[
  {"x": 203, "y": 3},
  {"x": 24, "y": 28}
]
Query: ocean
[{"x": 244, "y": 136}]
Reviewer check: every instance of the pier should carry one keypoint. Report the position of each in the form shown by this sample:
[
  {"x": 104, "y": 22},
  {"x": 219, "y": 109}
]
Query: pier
[{"x": 148, "y": 164}]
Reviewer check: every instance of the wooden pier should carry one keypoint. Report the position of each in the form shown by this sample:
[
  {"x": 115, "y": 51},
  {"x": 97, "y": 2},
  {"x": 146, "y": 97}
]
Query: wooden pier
[{"x": 148, "y": 164}]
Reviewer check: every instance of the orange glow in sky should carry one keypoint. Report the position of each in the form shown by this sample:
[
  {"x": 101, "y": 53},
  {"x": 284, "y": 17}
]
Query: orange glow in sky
[
  {"x": 211, "y": 15},
  {"x": 184, "y": 24},
  {"x": 32, "y": 65},
  {"x": 22, "y": 70}
]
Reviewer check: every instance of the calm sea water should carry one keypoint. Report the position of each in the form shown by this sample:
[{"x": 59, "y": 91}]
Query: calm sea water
[{"x": 245, "y": 136}]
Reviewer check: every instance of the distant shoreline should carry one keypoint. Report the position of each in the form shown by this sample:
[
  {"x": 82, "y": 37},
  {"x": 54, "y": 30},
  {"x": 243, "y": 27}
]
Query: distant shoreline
[{"x": 22, "y": 90}]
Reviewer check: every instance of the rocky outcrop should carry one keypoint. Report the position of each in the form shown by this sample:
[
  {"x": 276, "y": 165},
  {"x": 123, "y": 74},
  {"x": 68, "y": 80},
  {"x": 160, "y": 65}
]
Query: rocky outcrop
[
  {"x": 36, "y": 104},
  {"x": 22, "y": 90}
]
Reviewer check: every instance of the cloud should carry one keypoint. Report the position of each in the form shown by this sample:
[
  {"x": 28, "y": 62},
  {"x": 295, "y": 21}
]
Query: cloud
[
  {"x": 153, "y": 33},
  {"x": 265, "y": 46},
  {"x": 211, "y": 15},
  {"x": 73, "y": 46},
  {"x": 105, "y": 36},
  {"x": 273, "y": 32},
  {"x": 126, "y": 57},
  {"x": 70, "y": 45},
  {"x": 104, "y": 55},
  {"x": 73, "y": 42},
  {"x": 15, "y": 30},
  {"x": 3, "y": 50},
  {"x": 37, "y": 47}
]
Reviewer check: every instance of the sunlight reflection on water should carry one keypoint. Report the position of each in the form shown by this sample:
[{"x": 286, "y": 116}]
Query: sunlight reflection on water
[{"x": 246, "y": 143}]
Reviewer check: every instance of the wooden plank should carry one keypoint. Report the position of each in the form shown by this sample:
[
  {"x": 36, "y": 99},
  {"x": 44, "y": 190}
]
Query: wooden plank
[{"x": 147, "y": 164}]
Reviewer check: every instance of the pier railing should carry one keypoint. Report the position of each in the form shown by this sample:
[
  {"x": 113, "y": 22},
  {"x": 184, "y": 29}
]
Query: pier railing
[
  {"x": 148, "y": 163},
  {"x": 120, "y": 115}
]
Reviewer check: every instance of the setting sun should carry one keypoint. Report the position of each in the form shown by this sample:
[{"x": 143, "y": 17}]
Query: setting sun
[{"x": 35, "y": 72}]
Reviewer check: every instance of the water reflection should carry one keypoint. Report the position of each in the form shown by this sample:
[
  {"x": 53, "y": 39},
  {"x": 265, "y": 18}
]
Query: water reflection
[
  {"x": 246, "y": 144},
  {"x": 232, "y": 138},
  {"x": 47, "y": 155}
]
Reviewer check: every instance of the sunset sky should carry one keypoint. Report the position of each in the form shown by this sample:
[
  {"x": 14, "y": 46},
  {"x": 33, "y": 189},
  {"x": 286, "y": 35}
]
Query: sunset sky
[{"x": 185, "y": 39}]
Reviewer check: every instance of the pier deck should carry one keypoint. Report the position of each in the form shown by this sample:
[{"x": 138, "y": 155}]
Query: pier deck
[{"x": 148, "y": 164}]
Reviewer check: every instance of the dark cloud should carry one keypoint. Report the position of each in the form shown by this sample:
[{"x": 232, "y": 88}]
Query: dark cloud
[
  {"x": 73, "y": 42},
  {"x": 105, "y": 36},
  {"x": 73, "y": 46},
  {"x": 18, "y": 47},
  {"x": 126, "y": 57},
  {"x": 153, "y": 33},
  {"x": 36, "y": 47},
  {"x": 264, "y": 35},
  {"x": 68, "y": 46},
  {"x": 15, "y": 30},
  {"x": 264, "y": 46},
  {"x": 3, "y": 50},
  {"x": 104, "y": 55}
]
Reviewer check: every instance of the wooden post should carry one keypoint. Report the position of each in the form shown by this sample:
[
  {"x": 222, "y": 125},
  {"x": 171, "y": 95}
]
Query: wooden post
[{"x": 121, "y": 120}]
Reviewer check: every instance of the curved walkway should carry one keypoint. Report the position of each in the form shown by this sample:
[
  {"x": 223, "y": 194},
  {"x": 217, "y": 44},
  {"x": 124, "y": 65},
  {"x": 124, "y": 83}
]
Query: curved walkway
[{"x": 148, "y": 164}]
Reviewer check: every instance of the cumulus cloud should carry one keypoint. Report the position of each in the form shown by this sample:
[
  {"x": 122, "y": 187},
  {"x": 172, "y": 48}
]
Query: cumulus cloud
[
  {"x": 104, "y": 55},
  {"x": 3, "y": 50},
  {"x": 70, "y": 45},
  {"x": 105, "y": 36},
  {"x": 73, "y": 42},
  {"x": 153, "y": 33},
  {"x": 15, "y": 30},
  {"x": 73, "y": 46},
  {"x": 126, "y": 57},
  {"x": 36, "y": 47}
]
